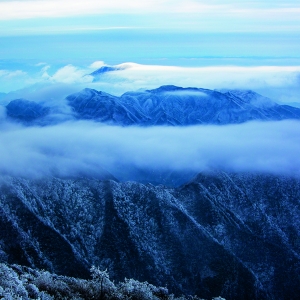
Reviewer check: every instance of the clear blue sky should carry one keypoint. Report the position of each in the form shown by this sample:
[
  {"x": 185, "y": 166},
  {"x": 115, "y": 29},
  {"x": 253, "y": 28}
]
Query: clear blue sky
[{"x": 118, "y": 31}]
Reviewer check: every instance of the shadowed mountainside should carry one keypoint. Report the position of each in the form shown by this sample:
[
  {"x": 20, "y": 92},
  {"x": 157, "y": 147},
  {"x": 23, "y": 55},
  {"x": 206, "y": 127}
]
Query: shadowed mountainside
[{"x": 234, "y": 235}]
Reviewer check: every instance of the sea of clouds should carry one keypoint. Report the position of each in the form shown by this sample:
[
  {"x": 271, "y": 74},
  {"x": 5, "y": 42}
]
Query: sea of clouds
[{"x": 90, "y": 149}]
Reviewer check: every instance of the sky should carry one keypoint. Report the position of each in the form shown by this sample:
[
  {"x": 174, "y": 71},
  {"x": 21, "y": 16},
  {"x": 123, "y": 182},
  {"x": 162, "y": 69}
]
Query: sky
[
  {"x": 226, "y": 44},
  {"x": 151, "y": 31},
  {"x": 49, "y": 48},
  {"x": 53, "y": 16}
]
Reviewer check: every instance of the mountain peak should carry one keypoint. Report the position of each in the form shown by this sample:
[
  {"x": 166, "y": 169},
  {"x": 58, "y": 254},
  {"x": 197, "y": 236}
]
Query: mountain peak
[
  {"x": 104, "y": 69},
  {"x": 166, "y": 88},
  {"x": 167, "y": 105}
]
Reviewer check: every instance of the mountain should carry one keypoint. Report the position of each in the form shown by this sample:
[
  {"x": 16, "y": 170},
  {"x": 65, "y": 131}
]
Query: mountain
[
  {"x": 171, "y": 105},
  {"x": 93, "y": 105},
  {"x": 167, "y": 105},
  {"x": 234, "y": 235},
  {"x": 26, "y": 111},
  {"x": 103, "y": 70}
]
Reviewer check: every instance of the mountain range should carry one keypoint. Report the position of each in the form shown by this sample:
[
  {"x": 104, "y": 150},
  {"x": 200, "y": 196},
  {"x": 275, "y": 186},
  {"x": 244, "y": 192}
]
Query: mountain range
[
  {"x": 228, "y": 234},
  {"x": 216, "y": 233},
  {"x": 166, "y": 105}
]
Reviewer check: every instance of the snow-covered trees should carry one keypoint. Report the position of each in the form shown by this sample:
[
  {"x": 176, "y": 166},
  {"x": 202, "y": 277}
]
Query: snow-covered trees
[{"x": 23, "y": 283}]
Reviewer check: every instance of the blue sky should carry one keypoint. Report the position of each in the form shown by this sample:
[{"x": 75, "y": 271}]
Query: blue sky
[{"x": 39, "y": 35}]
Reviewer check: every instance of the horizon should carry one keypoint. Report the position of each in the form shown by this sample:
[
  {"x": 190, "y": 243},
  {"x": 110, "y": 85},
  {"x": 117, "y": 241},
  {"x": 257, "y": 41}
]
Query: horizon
[
  {"x": 49, "y": 50},
  {"x": 42, "y": 38}
]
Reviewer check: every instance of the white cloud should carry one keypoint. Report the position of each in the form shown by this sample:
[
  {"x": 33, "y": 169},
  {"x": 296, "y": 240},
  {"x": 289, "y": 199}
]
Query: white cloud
[
  {"x": 12, "y": 74},
  {"x": 264, "y": 78},
  {"x": 280, "y": 83},
  {"x": 11, "y": 80},
  {"x": 40, "y": 64},
  {"x": 71, "y": 74},
  {"x": 86, "y": 148},
  {"x": 55, "y": 8},
  {"x": 97, "y": 64}
]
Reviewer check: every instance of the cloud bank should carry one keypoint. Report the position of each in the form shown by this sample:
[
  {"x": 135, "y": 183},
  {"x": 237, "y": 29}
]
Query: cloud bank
[
  {"x": 90, "y": 149},
  {"x": 17, "y": 9},
  {"x": 280, "y": 83}
]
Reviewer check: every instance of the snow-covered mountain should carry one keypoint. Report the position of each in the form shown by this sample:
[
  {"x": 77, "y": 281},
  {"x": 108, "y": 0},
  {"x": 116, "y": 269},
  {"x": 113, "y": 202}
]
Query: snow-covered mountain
[
  {"x": 171, "y": 105},
  {"x": 97, "y": 75},
  {"x": 26, "y": 111},
  {"x": 167, "y": 105},
  {"x": 234, "y": 235}
]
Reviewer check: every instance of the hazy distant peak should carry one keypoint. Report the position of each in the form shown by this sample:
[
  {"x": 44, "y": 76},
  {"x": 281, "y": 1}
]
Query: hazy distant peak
[
  {"x": 105, "y": 69},
  {"x": 26, "y": 110}
]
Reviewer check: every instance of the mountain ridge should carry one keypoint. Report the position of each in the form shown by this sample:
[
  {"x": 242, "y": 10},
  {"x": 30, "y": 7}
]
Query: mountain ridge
[
  {"x": 236, "y": 234},
  {"x": 167, "y": 105}
]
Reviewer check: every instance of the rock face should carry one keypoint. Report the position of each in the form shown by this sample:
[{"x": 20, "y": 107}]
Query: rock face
[
  {"x": 234, "y": 235},
  {"x": 167, "y": 105}
]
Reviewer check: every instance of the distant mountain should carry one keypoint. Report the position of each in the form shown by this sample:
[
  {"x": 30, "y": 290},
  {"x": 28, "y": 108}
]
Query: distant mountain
[
  {"x": 234, "y": 235},
  {"x": 171, "y": 105},
  {"x": 167, "y": 105},
  {"x": 26, "y": 111},
  {"x": 103, "y": 70}
]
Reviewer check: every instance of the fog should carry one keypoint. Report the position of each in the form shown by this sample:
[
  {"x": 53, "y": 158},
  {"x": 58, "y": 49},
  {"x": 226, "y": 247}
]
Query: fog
[{"x": 90, "y": 149}]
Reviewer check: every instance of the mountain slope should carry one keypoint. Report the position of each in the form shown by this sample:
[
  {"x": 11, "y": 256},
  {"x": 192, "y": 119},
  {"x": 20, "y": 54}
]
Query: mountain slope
[
  {"x": 234, "y": 235},
  {"x": 167, "y": 105},
  {"x": 26, "y": 111},
  {"x": 171, "y": 105}
]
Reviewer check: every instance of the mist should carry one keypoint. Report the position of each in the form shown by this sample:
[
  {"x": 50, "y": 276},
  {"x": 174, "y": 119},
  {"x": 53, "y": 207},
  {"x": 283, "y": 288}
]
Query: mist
[{"x": 85, "y": 148}]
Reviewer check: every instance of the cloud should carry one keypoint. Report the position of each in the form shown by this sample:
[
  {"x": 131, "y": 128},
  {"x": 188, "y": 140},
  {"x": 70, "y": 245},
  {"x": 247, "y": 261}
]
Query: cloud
[
  {"x": 12, "y": 74},
  {"x": 35, "y": 17},
  {"x": 265, "y": 79},
  {"x": 97, "y": 64},
  {"x": 50, "y": 95},
  {"x": 71, "y": 74},
  {"x": 89, "y": 148},
  {"x": 280, "y": 83},
  {"x": 13, "y": 79},
  {"x": 55, "y": 8},
  {"x": 40, "y": 64},
  {"x": 186, "y": 93}
]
